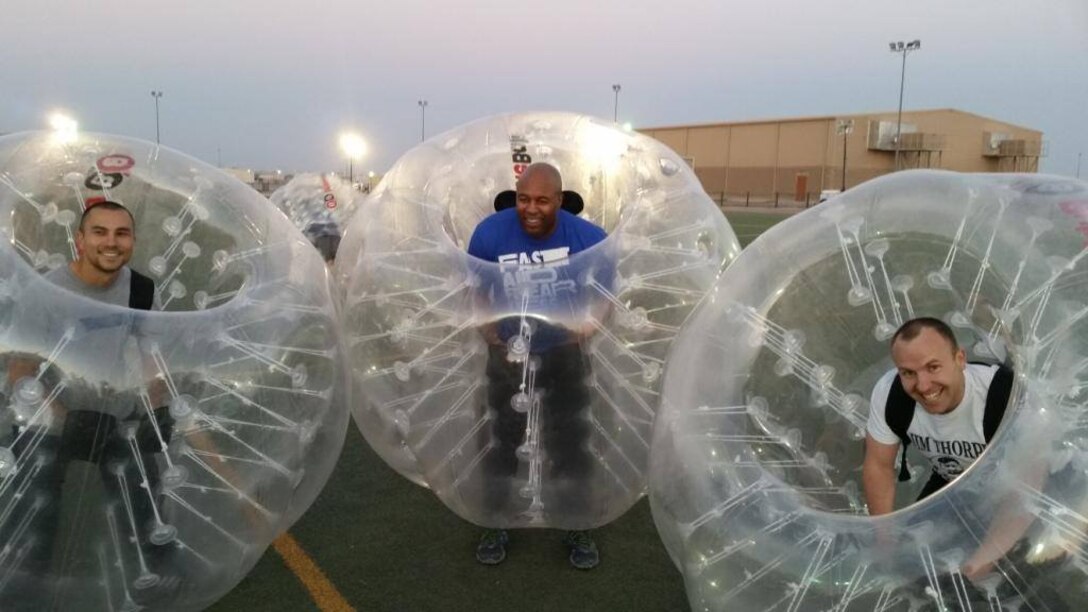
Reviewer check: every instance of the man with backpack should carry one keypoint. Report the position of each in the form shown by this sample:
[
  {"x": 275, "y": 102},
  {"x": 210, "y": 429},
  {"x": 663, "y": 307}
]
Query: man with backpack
[
  {"x": 86, "y": 418},
  {"x": 937, "y": 401}
]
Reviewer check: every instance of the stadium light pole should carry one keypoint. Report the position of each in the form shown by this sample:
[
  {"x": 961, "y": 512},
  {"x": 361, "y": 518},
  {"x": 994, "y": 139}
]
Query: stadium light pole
[
  {"x": 422, "y": 119},
  {"x": 616, "y": 102},
  {"x": 157, "y": 95},
  {"x": 903, "y": 49},
  {"x": 65, "y": 128},
  {"x": 353, "y": 146},
  {"x": 844, "y": 127}
]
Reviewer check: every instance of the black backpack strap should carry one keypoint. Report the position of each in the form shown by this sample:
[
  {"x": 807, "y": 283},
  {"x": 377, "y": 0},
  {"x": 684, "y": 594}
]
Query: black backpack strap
[
  {"x": 997, "y": 399},
  {"x": 898, "y": 414},
  {"x": 141, "y": 292}
]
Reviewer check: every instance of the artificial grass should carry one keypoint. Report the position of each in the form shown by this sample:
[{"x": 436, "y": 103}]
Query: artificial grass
[{"x": 390, "y": 545}]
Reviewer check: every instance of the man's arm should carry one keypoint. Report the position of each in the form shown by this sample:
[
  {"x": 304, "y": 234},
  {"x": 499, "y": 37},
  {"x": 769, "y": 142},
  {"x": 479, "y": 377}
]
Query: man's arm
[{"x": 878, "y": 476}]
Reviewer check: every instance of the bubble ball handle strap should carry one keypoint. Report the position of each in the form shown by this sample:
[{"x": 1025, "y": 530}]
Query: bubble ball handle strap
[{"x": 141, "y": 293}]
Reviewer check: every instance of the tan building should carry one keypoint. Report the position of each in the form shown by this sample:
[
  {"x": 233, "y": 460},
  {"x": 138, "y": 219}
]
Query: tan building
[{"x": 788, "y": 162}]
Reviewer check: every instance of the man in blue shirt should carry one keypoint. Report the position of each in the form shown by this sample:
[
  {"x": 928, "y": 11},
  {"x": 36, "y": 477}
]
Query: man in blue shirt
[{"x": 532, "y": 243}]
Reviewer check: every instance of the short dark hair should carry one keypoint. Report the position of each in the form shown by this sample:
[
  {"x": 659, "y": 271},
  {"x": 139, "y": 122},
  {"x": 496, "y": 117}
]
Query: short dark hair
[
  {"x": 106, "y": 205},
  {"x": 910, "y": 330}
]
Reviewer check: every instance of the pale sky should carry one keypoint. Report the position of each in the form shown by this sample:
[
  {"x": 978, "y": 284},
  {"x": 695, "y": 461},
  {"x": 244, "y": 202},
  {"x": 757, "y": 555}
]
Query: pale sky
[{"x": 272, "y": 83}]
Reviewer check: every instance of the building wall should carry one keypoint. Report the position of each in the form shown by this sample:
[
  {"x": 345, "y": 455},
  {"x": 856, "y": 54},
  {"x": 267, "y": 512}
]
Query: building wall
[{"x": 791, "y": 160}]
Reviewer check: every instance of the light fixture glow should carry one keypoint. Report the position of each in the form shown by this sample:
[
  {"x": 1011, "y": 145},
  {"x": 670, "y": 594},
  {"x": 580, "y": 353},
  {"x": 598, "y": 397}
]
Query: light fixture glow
[
  {"x": 65, "y": 129},
  {"x": 352, "y": 145}
]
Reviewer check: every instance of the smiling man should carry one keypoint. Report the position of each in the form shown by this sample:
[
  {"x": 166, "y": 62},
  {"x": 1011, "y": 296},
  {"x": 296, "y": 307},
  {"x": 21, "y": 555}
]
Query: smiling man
[
  {"x": 947, "y": 408},
  {"x": 90, "y": 414},
  {"x": 105, "y": 240},
  {"x": 533, "y": 244}
]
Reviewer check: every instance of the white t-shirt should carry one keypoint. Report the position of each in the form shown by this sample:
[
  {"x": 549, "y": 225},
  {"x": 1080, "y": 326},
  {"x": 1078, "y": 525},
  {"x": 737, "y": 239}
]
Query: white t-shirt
[{"x": 950, "y": 441}]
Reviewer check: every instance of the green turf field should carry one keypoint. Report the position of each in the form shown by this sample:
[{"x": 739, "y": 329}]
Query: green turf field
[
  {"x": 748, "y": 225},
  {"x": 389, "y": 545}
]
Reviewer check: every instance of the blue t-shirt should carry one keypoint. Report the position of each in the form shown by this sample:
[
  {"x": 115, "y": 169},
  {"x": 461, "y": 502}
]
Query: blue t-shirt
[{"x": 535, "y": 274}]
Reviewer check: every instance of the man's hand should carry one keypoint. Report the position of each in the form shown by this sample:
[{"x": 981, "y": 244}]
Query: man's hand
[{"x": 490, "y": 333}]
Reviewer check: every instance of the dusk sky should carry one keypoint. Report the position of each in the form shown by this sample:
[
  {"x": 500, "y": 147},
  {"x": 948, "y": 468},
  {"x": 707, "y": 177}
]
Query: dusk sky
[{"x": 272, "y": 84}]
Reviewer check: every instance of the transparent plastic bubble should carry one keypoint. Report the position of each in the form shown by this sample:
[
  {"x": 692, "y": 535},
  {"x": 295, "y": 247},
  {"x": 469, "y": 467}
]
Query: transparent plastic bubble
[
  {"x": 402, "y": 422},
  {"x": 636, "y": 319},
  {"x": 48, "y": 212},
  {"x": 517, "y": 348},
  {"x": 177, "y": 289},
  {"x": 669, "y": 167},
  {"x": 525, "y": 453},
  {"x": 28, "y": 391},
  {"x": 65, "y": 218},
  {"x": 321, "y": 205},
  {"x": 195, "y": 414},
  {"x": 182, "y": 407},
  {"x": 7, "y": 462},
  {"x": 857, "y": 296},
  {"x": 520, "y": 402},
  {"x": 903, "y": 283},
  {"x": 762, "y": 508},
  {"x": 172, "y": 226},
  {"x": 198, "y": 211},
  {"x": 220, "y": 259},
  {"x": 73, "y": 179},
  {"x": 585, "y": 335},
  {"x": 162, "y": 534},
  {"x": 157, "y": 265},
  {"x": 175, "y": 476}
]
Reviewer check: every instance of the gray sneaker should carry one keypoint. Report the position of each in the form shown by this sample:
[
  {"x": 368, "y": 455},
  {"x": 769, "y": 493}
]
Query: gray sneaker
[
  {"x": 492, "y": 547},
  {"x": 583, "y": 550}
]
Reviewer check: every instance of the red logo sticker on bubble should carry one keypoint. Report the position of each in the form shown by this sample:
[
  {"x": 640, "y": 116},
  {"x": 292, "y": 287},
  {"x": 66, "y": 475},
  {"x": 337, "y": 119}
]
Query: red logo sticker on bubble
[
  {"x": 119, "y": 163},
  {"x": 1078, "y": 209},
  {"x": 330, "y": 199}
]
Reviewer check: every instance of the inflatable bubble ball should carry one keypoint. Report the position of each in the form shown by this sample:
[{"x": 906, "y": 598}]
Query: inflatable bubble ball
[
  {"x": 756, "y": 472},
  {"x": 522, "y": 390},
  {"x": 320, "y": 205},
  {"x": 153, "y": 445}
]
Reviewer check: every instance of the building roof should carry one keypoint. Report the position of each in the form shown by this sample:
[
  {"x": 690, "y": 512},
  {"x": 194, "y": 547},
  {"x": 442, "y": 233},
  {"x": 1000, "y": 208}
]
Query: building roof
[{"x": 827, "y": 118}]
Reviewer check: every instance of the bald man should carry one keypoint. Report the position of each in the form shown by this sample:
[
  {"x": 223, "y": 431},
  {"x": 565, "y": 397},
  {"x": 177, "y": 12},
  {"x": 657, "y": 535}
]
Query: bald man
[{"x": 532, "y": 243}]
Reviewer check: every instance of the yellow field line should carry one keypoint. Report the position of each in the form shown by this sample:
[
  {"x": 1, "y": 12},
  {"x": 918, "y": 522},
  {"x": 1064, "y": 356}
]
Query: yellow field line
[{"x": 322, "y": 591}]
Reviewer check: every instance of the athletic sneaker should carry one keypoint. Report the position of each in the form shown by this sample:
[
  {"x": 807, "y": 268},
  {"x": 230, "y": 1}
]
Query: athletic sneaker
[
  {"x": 492, "y": 547},
  {"x": 583, "y": 551}
]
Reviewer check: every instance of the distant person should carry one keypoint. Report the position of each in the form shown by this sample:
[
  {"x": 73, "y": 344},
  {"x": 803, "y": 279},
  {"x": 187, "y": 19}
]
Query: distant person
[
  {"x": 326, "y": 239},
  {"x": 537, "y": 236}
]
